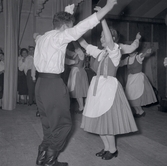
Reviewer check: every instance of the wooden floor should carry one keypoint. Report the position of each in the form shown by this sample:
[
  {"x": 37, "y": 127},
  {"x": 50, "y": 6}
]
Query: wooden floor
[{"x": 21, "y": 133}]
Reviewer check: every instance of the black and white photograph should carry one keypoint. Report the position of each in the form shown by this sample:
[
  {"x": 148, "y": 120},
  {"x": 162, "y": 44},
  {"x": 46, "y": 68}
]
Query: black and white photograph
[{"x": 83, "y": 82}]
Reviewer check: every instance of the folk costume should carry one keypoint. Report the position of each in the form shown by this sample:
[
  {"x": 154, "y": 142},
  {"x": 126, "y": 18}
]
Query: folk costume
[{"x": 107, "y": 110}]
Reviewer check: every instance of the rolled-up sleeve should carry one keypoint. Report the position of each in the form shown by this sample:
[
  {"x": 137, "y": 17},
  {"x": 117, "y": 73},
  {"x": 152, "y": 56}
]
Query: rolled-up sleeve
[
  {"x": 93, "y": 50},
  {"x": 72, "y": 34},
  {"x": 115, "y": 54},
  {"x": 139, "y": 58}
]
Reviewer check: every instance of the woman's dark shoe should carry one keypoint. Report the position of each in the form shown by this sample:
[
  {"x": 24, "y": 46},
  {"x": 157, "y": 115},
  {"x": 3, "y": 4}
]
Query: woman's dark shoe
[
  {"x": 101, "y": 153},
  {"x": 108, "y": 155},
  {"x": 139, "y": 116},
  {"x": 29, "y": 104}
]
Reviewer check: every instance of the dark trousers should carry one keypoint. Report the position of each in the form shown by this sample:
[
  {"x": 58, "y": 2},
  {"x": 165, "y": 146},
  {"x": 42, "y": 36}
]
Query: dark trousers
[
  {"x": 31, "y": 88},
  {"x": 53, "y": 102}
]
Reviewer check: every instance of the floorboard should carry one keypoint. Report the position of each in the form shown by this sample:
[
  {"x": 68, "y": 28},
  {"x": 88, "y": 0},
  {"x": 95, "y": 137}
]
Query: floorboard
[{"x": 21, "y": 133}]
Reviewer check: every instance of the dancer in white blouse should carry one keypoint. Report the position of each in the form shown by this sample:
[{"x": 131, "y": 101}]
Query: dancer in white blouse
[{"x": 107, "y": 111}]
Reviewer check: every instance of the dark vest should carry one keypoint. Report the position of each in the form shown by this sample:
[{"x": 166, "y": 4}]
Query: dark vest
[{"x": 135, "y": 67}]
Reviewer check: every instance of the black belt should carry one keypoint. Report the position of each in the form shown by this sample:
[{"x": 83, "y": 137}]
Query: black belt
[{"x": 48, "y": 75}]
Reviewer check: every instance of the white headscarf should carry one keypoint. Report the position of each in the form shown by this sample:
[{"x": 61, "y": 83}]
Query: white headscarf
[{"x": 70, "y": 9}]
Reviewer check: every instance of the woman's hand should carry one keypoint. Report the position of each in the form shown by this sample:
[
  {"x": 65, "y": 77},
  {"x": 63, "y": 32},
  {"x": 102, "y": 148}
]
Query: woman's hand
[
  {"x": 35, "y": 35},
  {"x": 111, "y": 2},
  {"x": 149, "y": 51},
  {"x": 138, "y": 36}
]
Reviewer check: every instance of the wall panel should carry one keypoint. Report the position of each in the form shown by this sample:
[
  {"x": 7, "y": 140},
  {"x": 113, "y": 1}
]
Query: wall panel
[
  {"x": 151, "y": 32},
  {"x": 159, "y": 36}
]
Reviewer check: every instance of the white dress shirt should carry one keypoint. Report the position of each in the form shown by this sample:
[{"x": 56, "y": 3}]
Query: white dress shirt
[
  {"x": 27, "y": 64},
  {"x": 50, "y": 48}
]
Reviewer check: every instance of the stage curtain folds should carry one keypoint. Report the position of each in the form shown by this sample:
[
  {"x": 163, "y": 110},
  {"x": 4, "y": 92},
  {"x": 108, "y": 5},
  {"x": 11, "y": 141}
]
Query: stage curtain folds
[
  {"x": 12, "y": 9},
  {"x": 59, "y": 5}
]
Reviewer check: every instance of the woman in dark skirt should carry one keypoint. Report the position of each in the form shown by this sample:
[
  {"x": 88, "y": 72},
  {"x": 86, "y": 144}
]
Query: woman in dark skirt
[{"x": 22, "y": 82}]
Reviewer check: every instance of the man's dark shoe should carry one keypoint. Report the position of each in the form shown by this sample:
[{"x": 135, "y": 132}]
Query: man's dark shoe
[
  {"x": 51, "y": 159},
  {"x": 41, "y": 156}
]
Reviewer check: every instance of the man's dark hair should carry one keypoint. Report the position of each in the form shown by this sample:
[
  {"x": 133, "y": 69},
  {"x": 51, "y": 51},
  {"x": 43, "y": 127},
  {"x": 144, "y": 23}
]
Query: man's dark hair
[{"x": 62, "y": 18}]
